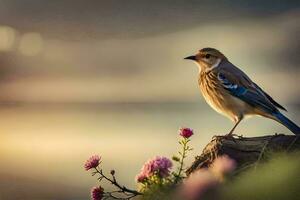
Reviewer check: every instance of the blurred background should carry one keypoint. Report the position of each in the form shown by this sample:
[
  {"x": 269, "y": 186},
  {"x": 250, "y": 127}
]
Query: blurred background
[{"x": 108, "y": 77}]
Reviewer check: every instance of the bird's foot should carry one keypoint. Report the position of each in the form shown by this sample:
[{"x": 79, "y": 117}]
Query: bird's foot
[
  {"x": 233, "y": 137},
  {"x": 229, "y": 136},
  {"x": 238, "y": 136}
]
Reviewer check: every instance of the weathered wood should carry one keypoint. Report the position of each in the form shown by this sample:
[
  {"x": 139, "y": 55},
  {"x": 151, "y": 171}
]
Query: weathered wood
[{"x": 245, "y": 151}]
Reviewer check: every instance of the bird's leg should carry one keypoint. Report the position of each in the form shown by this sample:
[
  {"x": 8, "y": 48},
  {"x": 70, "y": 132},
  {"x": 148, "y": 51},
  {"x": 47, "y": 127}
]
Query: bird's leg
[{"x": 230, "y": 134}]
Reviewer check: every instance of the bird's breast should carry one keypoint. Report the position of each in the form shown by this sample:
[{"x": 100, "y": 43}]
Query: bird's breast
[{"x": 218, "y": 98}]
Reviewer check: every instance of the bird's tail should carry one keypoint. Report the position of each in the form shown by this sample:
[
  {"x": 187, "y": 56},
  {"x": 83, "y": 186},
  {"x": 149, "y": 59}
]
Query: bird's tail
[{"x": 287, "y": 123}]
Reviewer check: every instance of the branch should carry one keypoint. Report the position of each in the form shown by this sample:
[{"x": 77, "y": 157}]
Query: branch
[
  {"x": 114, "y": 182},
  {"x": 246, "y": 152}
]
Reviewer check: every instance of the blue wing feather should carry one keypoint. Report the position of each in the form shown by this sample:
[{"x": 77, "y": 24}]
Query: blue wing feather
[
  {"x": 250, "y": 96},
  {"x": 243, "y": 88}
]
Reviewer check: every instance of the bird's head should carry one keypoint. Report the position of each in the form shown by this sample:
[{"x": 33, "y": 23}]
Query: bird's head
[{"x": 207, "y": 58}]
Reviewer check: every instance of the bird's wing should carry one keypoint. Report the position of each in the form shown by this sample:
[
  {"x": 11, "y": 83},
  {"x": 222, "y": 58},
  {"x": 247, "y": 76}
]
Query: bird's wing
[
  {"x": 240, "y": 86},
  {"x": 270, "y": 98}
]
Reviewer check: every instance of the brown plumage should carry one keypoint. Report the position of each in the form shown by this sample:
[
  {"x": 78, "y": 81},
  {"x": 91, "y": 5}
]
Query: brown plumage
[{"x": 229, "y": 91}]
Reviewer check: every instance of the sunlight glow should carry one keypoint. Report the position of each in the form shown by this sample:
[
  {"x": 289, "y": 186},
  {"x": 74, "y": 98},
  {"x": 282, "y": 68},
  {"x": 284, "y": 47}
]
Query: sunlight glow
[
  {"x": 7, "y": 38},
  {"x": 31, "y": 44}
]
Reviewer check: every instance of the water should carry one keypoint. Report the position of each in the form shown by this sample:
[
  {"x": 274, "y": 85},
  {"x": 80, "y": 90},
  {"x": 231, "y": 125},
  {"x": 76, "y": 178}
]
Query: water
[{"x": 43, "y": 147}]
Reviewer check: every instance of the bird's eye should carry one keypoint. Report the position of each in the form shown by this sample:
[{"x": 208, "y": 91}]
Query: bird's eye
[{"x": 207, "y": 56}]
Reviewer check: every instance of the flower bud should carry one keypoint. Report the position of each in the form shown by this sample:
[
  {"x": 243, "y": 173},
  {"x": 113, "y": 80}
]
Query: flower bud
[{"x": 112, "y": 172}]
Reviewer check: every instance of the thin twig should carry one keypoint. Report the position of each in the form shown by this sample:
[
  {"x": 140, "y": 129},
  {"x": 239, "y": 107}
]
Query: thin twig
[
  {"x": 115, "y": 183},
  {"x": 292, "y": 143},
  {"x": 261, "y": 153}
]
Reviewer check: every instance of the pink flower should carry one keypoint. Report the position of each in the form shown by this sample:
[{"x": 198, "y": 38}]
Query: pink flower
[
  {"x": 140, "y": 177},
  {"x": 223, "y": 165},
  {"x": 158, "y": 165},
  {"x": 97, "y": 193},
  {"x": 186, "y": 132},
  {"x": 92, "y": 162},
  {"x": 197, "y": 184}
]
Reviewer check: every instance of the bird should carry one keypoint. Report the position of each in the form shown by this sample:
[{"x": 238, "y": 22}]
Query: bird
[{"x": 229, "y": 91}]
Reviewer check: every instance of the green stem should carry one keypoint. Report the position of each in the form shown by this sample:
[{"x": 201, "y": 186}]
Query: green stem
[{"x": 184, "y": 151}]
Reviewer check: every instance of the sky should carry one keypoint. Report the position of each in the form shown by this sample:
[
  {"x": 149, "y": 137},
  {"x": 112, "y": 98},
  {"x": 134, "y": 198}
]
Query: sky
[{"x": 117, "y": 51}]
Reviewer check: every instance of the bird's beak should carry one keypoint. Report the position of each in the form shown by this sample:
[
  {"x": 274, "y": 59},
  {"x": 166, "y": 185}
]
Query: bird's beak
[{"x": 190, "y": 58}]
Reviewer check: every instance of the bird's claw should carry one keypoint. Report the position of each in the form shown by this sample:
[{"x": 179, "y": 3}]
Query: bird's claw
[
  {"x": 238, "y": 136},
  {"x": 230, "y": 136},
  {"x": 233, "y": 137}
]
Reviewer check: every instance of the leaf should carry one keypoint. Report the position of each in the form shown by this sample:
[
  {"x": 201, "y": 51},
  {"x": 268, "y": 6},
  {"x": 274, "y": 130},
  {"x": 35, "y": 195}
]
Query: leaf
[{"x": 175, "y": 158}]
